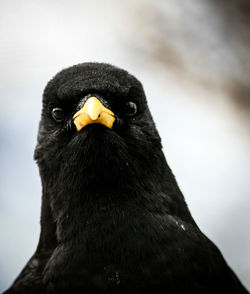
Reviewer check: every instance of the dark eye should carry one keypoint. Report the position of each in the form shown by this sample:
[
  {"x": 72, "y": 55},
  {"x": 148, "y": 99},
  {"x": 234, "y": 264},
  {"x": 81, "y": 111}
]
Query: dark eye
[
  {"x": 130, "y": 108},
  {"x": 58, "y": 114}
]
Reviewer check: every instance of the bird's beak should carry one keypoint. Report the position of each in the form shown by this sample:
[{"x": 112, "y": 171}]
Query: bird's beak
[{"x": 93, "y": 112}]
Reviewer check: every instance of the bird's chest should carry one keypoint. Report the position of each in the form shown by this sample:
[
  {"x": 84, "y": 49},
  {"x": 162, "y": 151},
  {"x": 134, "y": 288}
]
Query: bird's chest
[{"x": 105, "y": 253}]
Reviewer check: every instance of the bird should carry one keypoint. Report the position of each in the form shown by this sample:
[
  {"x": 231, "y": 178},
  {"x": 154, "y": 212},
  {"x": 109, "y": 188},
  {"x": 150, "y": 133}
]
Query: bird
[{"x": 113, "y": 218}]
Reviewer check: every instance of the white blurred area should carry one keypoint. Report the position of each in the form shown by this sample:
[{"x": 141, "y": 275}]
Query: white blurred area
[{"x": 193, "y": 58}]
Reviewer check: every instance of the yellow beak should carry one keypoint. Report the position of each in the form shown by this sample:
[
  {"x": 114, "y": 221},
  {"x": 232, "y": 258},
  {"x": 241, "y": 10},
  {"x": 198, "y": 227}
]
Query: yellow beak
[{"x": 93, "y": 112}]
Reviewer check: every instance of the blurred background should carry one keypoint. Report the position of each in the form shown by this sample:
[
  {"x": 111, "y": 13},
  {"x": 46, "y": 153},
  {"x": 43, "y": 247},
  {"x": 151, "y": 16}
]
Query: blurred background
[{"x": 193, "y": 58}]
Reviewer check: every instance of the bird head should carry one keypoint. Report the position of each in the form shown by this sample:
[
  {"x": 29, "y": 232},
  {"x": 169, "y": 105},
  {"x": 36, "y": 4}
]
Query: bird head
[{"x": 96, "y": 126}]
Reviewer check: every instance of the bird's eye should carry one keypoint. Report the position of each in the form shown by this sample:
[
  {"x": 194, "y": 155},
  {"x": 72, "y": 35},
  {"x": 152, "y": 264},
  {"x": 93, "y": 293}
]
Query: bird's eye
[
  {"x": 58, "y": 114},
  {"x": 130, "y": 108}
]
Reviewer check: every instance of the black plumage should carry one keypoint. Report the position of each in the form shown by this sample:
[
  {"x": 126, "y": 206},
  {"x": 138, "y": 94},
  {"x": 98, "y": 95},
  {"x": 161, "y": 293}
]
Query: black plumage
[{"x": 113, "y": 219}]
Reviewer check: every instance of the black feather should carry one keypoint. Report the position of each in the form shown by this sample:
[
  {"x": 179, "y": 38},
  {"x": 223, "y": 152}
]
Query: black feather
[{"x": 113, "y": 219}]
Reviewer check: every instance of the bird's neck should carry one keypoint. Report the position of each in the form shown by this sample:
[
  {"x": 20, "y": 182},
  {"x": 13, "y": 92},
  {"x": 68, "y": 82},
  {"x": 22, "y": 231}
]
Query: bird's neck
[
  {"x": 85, "y": 193},
  {"x": 80, "y": 193}
]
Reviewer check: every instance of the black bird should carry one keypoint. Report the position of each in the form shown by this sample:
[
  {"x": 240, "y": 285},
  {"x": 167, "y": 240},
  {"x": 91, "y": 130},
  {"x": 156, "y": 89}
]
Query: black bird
[{"x": 113, "y": 219}]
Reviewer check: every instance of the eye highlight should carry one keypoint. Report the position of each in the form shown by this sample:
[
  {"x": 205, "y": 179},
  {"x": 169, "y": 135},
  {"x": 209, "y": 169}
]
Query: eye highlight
[
  {"x": 57, "y": 114},
  {"x": 130, "y": 108}
]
